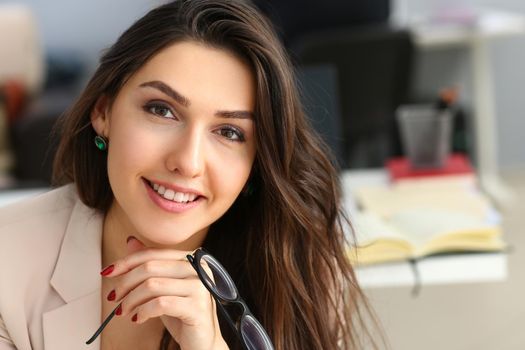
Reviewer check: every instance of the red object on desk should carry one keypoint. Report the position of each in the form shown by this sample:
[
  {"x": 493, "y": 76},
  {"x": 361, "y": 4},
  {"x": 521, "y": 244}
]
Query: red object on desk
[{"x": 400, "y": 168}]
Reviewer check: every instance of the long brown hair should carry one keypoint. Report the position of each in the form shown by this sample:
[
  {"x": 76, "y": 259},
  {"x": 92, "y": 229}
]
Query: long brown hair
[{"x": 284, "y": 243}]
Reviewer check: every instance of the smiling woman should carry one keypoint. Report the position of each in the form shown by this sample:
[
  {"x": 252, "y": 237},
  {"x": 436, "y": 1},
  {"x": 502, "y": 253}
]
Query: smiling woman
[
  {"x": 175, "y": 123},
  {"x": 190, "y": 135}
]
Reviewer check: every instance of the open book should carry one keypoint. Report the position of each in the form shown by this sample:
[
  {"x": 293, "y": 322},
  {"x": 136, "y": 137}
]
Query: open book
[{"x": 413, "y": 220}]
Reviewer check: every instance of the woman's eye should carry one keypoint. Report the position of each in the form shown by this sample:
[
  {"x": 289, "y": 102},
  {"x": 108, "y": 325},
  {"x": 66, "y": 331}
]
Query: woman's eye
[
  {"x": 159, "y": 110},
  {"x": 232, "y": 134}
]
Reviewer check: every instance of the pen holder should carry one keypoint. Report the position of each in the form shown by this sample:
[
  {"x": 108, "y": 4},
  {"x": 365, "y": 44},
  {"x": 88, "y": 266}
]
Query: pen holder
[{"x": 425, "y": 134}]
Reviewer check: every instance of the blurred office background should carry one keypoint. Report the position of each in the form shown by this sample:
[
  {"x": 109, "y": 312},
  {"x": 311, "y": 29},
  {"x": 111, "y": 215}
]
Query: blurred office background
[{"x": 71, "y": 35}]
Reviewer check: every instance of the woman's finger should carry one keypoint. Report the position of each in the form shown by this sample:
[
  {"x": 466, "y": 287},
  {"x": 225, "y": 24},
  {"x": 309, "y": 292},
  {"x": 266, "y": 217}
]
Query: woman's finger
[
  {"x": 156, "y": 287},
  {"x": 188, "y": 310},
  {"x": 135, "y": 259},
  {"x": 151, "y": 269}
]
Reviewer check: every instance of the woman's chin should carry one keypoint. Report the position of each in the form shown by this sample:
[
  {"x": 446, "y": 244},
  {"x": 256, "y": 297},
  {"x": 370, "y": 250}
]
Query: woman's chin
[{"x": 177, "y": 239}]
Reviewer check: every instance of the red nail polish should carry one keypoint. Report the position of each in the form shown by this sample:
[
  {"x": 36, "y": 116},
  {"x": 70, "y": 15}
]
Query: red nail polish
[
  {"x": 112, "y": 295},
  {"x": 118, "y": 311},
  {"x": 107, "y": 270},
  {"x": 134, "y": 318}
]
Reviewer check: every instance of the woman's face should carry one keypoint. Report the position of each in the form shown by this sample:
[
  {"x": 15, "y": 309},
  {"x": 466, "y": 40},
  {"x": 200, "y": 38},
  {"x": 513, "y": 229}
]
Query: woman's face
[{"x": 181, "y": 143}]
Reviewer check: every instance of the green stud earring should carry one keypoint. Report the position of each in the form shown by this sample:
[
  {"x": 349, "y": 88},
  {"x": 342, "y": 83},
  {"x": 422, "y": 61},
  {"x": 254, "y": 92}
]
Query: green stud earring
[{"x": 101, "y": 143}]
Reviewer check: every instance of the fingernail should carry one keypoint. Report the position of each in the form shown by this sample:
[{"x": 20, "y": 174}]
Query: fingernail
[
  {"x": 112, "y": 295},
  {"x": 118, "y": 311},
  {"x": 107, "y": 270},
  {"x": 134, "y": 318}
]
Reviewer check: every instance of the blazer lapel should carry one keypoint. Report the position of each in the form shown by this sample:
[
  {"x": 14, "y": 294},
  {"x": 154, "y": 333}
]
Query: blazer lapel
[
  {"x": 71, "y": 325},
  {"x": 76, "y": 279}
]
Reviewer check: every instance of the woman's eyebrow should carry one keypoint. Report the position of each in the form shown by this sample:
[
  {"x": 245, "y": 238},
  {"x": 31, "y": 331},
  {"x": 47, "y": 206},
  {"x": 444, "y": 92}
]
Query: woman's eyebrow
[
  {"x": 166, "y": 89},
  {"x": 235, "y": 114}
]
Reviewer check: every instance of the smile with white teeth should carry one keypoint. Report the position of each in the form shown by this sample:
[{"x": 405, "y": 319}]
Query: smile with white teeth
[{"x": 171, "y": 195}]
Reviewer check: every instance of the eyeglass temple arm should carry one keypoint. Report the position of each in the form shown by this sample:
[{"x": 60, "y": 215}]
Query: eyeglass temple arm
[{"x": 102, "y": 326}]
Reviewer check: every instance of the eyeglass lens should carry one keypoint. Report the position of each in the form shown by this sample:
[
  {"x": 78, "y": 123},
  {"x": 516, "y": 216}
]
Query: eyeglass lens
[
  {"x": 252, "y": 332},
  {"x": 222, "y": 283},
  {"x": 254, "y": 335}
]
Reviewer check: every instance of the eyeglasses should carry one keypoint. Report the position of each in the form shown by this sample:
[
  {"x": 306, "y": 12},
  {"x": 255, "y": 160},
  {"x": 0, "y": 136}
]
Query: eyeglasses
[{"x": 222, "y": 288}]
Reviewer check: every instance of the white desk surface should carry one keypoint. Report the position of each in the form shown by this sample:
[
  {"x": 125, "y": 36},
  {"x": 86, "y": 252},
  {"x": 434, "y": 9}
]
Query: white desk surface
[{"x": 460, "y": 268}]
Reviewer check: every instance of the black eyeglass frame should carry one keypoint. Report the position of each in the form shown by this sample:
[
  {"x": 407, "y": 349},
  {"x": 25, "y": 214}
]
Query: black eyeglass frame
[{"x": 221, "y": 301}]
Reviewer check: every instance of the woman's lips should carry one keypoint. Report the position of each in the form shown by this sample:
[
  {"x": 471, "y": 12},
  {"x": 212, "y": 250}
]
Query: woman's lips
[
  {"x": 174, "y": 187},
  {"x": 168, "y": 205}
]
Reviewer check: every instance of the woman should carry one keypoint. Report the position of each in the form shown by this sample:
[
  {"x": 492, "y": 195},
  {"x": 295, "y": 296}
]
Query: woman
[{"x": 200, "y": 140}]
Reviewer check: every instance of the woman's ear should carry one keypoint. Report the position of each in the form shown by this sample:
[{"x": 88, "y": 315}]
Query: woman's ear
[{"x": 100, "y": 116}]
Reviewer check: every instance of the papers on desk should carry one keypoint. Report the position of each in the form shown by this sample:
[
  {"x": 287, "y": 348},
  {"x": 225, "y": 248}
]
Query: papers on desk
[{"x": 417, "y": 218}]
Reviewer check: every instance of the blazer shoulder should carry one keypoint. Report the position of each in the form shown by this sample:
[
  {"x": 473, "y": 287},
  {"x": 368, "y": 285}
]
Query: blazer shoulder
[
  {"x": 43, "y": 205},
  {"x": 44, "y": 215}
]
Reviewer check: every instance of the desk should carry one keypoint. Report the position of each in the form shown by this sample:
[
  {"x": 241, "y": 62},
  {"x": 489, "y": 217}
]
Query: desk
[
  {"x": 477, "y": 36},
  {"x": 460, "y": 268}
]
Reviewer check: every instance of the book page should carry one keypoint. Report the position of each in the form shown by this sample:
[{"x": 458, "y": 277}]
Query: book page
[
  {"x": 377, "y": 241},
  {"x": 387, "y": 201},
  {"x": 369, "y": 227},
  {"x": 435, "y": 229}
]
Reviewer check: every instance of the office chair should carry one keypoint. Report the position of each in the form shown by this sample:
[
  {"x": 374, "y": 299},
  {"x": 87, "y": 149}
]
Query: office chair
[{"x": 373, "y": 67}]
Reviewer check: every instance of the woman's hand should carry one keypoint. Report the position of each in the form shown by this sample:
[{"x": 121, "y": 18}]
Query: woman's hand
[{"x": 162, "y": 283}]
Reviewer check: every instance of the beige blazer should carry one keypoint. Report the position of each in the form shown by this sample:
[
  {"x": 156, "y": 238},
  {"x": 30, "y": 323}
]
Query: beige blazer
[{"x": 50, "y": 259}]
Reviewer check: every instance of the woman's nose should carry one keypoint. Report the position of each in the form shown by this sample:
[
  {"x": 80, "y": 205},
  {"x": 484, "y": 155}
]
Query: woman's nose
[{"x": 187, "y": 154}]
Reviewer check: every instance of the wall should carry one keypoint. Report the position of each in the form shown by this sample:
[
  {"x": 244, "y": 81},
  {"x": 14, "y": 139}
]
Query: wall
[{"x": 86, "y": 27}]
